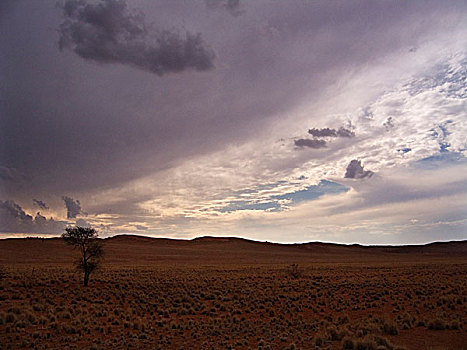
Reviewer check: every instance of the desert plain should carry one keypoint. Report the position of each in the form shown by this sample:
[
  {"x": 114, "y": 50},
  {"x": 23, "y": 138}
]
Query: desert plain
[{"x": 232, "y": 293}]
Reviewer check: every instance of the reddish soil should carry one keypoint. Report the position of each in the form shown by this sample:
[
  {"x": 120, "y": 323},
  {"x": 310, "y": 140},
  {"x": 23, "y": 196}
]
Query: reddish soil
[{"x": 229, "y": 293}]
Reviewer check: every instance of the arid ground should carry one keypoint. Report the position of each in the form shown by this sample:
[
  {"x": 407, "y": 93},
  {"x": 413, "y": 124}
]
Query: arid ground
[{"x": 227, "y": 293}]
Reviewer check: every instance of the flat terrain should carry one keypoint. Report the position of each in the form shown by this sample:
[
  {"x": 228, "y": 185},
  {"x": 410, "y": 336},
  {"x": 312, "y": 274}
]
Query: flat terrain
[{"x": 229, "y": 293}]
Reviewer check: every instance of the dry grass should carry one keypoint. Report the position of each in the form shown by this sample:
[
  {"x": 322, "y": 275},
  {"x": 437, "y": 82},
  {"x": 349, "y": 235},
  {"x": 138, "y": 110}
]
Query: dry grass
[{"x": 229, "y": 305}]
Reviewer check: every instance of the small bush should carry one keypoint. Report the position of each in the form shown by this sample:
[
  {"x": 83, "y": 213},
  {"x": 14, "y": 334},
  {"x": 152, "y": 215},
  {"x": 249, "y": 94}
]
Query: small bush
[
  {"x": 294, "y": 271},
  {"x": 348, "y": 343},
  {"x": 390, "y": 328},
  {"x": 367, "y": 343},
  {"x": 437, "y": 325}
]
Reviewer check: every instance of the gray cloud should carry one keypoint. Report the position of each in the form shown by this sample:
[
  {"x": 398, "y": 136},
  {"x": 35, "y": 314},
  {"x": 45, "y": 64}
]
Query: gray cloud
[
  {"x": 327, "y": 132},
  {"x": 73, "y": 207},
  {"x": 232, "y": 6},
  {"x": 322, "y": 132},
  {"x": 343, "y": 132},
  {"x": 310, "y": 143},
  {"x": 10, "y": 174},
  {"x": 40, "y": 204},
  {"x": 14, "y": 219},
  {"x": 5, "y": 174},
  {"x": 9, "y": 209},
  {"x": 403, "y": 185},
  {"x": 389, "y": 123},
  {"x": 366, "y": 113},
  {"x": 4, "y": 6},
  {"x": 355, "y": 170},
  {"x": 108, "y": 33},
  {"x": 82, "y": 223}
]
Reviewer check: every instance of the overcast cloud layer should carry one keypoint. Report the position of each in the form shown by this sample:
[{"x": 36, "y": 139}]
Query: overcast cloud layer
[{"x": 281, "y": 121}]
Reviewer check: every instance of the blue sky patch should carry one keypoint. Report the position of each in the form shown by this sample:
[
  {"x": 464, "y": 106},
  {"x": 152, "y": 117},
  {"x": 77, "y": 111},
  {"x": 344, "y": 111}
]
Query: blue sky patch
[
  {"x": 444, "y": 158},
  {"x": 308, "y": 194},
  {"x": 314, "y": 192},
  {"x": 404, "y": 150}
]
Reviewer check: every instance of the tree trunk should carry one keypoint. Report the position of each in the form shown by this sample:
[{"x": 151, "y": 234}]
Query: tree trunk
[{"x": 86, "y": 278}]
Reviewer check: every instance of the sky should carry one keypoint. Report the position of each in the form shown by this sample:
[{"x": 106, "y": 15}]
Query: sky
[{"x": 282, "y": 121}]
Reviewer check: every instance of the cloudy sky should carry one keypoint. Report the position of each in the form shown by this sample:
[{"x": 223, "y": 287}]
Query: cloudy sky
[{"x": 286, "y": 121}]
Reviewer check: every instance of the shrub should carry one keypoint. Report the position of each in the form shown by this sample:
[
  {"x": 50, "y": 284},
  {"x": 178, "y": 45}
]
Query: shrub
[
  {"x": 437, "y": 325},
  {"x": 390, "y": 328},
  {"x": 348, "y": 343},
  {"x": 294, "y": 271},
  {"x": 367, "y": 343}
]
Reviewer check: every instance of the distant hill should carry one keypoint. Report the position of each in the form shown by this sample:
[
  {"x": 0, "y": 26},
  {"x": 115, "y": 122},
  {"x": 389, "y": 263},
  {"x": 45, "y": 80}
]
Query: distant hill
[{"x": 131, "y": 250}]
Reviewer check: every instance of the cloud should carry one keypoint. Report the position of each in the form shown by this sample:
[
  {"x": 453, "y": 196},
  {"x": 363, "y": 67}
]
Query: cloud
[
  {"x": 15, "y": 220},
  {"x": 82, "y": 223},
  {"x": 355, "y": 170},
  {"x": 126, "y": 128},
  {"x": 245, "y": 205},
  {"x": 107, "y": 32},
  {"x": 232, "y": 6},
  {"x": 10, "y": 174},
  {"x": 343, "y": 132},
  {"x": 223, "y": 190},
  {"x": 5, "y": 173},
  {"x": 322, "y": 132},
  {"x": 40, "y": 204},
  {"x": 265, "y": 198},
  {"x": 9, "y": 209},
  {"x": 313, "y": 192},
  {"x": 327, "y": 132},
  {"x": 445, "y": 177},
  {"x": 389, "y": 123},
  {"x": 310, "y": 143},
  {"x": 73, "y": 207}
]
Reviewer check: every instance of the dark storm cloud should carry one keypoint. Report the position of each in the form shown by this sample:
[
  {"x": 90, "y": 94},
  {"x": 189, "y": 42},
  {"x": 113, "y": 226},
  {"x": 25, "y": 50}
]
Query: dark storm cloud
[
  {"x": 9, "y": 209},
  {"x": 107, "y": 32},
  {"x": 40, "y": 204},
  {"x": 327, "y": 132},
  {"x": 105, "y": 127},
  {"x": 310, "y": 143},
  {"x": 15, "y": 220},
  {"x": 355, "y": 170},
  {"x": 73, "y": 207}
]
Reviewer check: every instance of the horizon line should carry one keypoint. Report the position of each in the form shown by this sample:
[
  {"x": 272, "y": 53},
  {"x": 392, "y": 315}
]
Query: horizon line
[{"x": 51, "y": 236}]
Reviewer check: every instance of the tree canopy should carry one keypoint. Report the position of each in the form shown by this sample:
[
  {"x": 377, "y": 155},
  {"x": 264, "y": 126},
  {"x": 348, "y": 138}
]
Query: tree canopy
[{"x": 91, "y": 248}]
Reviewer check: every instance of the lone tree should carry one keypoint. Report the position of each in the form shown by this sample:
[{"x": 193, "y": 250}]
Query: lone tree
[{"x": 85, "y": 238}]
